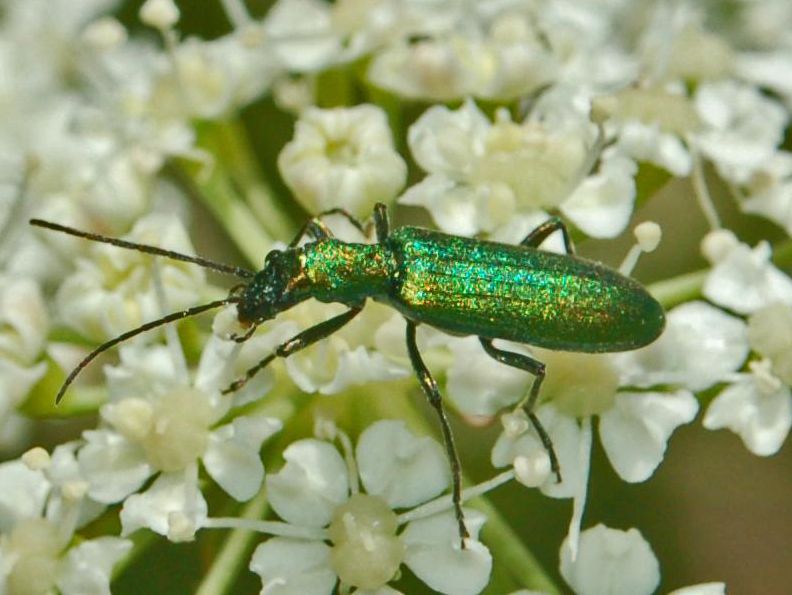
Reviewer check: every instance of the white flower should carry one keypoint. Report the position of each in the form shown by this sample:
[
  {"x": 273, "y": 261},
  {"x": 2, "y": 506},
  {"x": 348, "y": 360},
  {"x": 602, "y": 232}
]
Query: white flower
[
  {"x": 743, "y": 128},
  {"x": 743, "y": 279},
  {"x": 315, "y": 490},
  {"x": 115, "y": 291},
  {"x": 757, "y": 409},
  {"x": 610, "y": 561},
  {"x": 157, "y": 423},
  {"x": 342, "y": 157},
  {"x": 34, "y": 549}
]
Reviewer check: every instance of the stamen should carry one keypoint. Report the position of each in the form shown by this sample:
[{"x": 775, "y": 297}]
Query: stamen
[{"x": 647, "y": 235}]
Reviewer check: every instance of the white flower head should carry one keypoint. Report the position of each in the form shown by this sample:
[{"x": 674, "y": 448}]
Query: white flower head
[
  {"x": 160, "y": 424},
  {"x": 483, "y": 176},
  {"x": 342, "y": 157},
  {"x": 314, "y": 489}
]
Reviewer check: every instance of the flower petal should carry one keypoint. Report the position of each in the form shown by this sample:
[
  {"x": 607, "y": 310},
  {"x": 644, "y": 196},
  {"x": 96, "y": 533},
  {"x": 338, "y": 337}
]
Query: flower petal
[
  {"x": 700, "y": 346},
  {"x": 168, "y": 496},
  {"x": 434, "y": 554},
  {"x": 480, "y": 385},
  {"x": 610, "y": 561},
  {"x": 444, "y": 141},
  {"x": 313, "y": 482},
  {"x": 232, "y": 454},
  {"x": 399, "y": 466},
  {"x": 22, "y": 494},
  {"x": 745, "y": 280},
  {"x": 293, "y": 567},
  {"x": 88, "y": 566},
  {"x": 602, "y": 204},
  {"x": 635, "y": 431},
  {"x": 761, "y": 419},
  {"x": 113, "y": 466}
]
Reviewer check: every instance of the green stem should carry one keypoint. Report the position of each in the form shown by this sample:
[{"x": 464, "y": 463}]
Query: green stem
[
  {"x": 510, "y": 551},
  {"x": 227, "y": 142},
  {"x": 234, "y": 553},
  {"x": 676, "y": 290},
  {"x": 234, "y": 191}
]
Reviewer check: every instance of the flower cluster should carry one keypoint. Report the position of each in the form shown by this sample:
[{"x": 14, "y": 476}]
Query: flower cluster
[{"x": 481, "y": 119}]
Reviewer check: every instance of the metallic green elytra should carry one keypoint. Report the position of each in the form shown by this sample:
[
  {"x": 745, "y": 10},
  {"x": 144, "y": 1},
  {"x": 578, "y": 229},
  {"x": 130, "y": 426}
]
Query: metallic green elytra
[{"x": 459, "y": 285}]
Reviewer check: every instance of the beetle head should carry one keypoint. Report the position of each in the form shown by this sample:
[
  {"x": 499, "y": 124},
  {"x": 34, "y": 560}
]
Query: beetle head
[{"x": 270, "y": 291}]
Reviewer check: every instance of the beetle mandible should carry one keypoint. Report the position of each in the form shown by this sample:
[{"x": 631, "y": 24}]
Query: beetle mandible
[{"x": 459, "y": 285}]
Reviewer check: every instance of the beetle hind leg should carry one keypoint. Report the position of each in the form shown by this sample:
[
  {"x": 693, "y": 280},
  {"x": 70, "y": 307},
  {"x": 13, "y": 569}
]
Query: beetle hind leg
[
  {"x": 429, "y": 386},
  {"x": 537, "y": 368}
]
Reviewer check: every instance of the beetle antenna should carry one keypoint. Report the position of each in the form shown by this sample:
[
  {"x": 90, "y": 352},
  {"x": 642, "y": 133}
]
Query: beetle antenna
[
  {"x": 208, "y": 264},
  {"x": 136, "y": 331}
]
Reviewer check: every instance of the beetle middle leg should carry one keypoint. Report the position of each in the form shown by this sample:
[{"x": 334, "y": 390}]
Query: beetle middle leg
[
  {"x": 300, "y": 341},
  {"x": 537, "y": 368},
  {"x": 429, "y": 386},
  {"x": 541, "y": 233}
]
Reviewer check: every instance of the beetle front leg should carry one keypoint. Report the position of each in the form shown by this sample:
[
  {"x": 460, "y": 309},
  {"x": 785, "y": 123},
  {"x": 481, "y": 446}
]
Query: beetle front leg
[
  {"x": 301, "y": 341},
  {"x": 429, "y": 386},
  {"x": 537, "y": 368},
  {"x": 381, "y": 222},
  {"x": 541, "y": 233}
]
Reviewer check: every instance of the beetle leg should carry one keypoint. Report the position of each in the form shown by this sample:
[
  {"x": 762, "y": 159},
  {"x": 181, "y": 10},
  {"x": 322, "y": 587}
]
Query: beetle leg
[
  {"x": 300, "y": 341},
  {"x": 314, "y": 228},
  {"x": 344, "y": 213},
  {"x": 381, "y": 222},
  {"x": 537, "y": 368},
  {"x": 317, "y": 230},
  {"x": 243, "y": 337},
  {"x": 540, "y": 234},
  {"x": 429, "y": 386}
]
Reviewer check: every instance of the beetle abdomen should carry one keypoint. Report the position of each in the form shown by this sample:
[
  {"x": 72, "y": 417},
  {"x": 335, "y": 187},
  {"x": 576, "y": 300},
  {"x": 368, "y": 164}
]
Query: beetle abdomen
[{"x": 494, "y": 290}]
